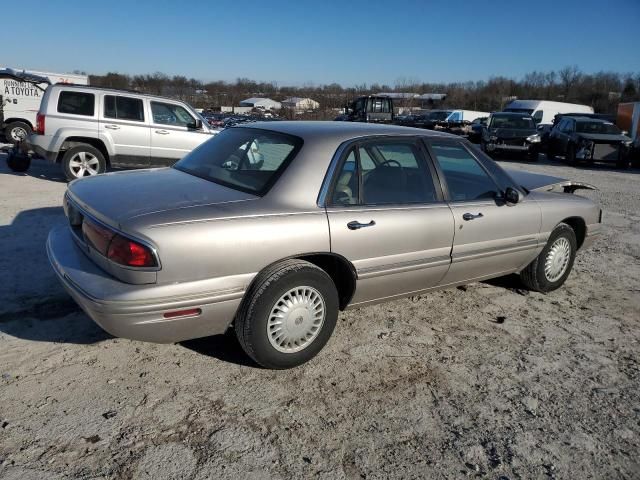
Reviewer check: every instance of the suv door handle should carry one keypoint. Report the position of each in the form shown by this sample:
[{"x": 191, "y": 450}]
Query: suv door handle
[
  {"x": 112, "y": 127},
  {"x": 162, "y": 132},
  {"x": 355, "y": 225},
  {"x": 471, "y": 216}
]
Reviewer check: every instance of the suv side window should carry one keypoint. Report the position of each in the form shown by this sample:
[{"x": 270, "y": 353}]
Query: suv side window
[
  {"x": 568, "y": 126},
  {"x": 170, "y": 114},
  {"x": 465, "y": 177},
  {"x": 383, "y": 172},
  {"x": 76, "y": 103},
  {"x": 123, "y": 108}
]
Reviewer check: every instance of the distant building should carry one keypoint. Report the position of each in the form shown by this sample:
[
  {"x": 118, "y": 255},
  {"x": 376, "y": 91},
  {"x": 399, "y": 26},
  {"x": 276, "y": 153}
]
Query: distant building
[
  {"x": 298, "y": 103},
  {"x": 258, "y": 102}
]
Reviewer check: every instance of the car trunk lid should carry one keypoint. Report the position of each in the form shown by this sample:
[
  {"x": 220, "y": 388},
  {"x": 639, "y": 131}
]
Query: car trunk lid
[{"x": 143, "y": 192}]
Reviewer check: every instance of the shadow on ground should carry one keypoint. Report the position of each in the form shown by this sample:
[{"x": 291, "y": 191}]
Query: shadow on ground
[{"x": 222, "y": 347}]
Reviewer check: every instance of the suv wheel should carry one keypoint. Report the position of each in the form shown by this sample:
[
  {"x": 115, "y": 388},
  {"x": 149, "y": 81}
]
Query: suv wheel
[
  {"x": 83, "y": 161},
  {"x": 288, "y": 315},
  {"x": 17, "y": 132},
  {"x": 551, "y": 268}
]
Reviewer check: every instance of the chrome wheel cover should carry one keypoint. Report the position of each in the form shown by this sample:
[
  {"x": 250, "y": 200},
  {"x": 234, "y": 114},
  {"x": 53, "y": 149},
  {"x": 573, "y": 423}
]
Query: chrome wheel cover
[
  {"x": 296, "y": 319},
  {"x": 83, "y": 164},
  {"x": 557, "y": 260},
  {"x": 18, "y": 134}
]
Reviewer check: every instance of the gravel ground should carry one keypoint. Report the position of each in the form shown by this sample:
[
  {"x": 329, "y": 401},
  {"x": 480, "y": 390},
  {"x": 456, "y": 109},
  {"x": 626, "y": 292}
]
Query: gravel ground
[{"x": 487, "y": 380}]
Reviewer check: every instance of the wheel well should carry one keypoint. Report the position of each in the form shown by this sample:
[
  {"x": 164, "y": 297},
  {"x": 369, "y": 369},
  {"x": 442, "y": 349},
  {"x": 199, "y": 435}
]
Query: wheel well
[
  {"x": 7, "y": 121},
  {"x": 579, "y": 228},
  {"x": 340, "y": 270},
  {"x": 75, "y": 141}
]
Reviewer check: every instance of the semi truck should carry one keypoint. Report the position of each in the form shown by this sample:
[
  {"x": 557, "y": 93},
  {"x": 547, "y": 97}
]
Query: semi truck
[{"x": 20, "y": 100}]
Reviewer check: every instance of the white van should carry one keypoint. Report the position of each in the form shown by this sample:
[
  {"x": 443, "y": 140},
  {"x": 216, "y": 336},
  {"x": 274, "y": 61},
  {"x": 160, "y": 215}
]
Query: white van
[
  {"x": 543, "y": 111},
  {"x": 21, "y": 101}
]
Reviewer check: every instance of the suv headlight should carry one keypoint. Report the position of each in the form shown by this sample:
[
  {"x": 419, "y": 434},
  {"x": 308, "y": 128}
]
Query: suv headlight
[{"x": 535, "y": 138}]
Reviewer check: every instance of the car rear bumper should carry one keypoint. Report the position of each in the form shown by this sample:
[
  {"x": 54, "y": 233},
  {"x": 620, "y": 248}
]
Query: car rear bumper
[
  {"x": 136, "y": 311},
  {"x": 40, "y": 144}
]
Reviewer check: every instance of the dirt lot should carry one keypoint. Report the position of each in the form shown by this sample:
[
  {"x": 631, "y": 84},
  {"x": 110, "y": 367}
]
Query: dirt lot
[{"x": 486, "y": 381}]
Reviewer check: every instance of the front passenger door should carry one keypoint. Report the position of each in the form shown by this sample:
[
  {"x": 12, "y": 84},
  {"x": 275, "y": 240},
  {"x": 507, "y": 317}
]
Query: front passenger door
[
  {"x": 491, "y": 237},
  {"x": 386, "y": 215}
]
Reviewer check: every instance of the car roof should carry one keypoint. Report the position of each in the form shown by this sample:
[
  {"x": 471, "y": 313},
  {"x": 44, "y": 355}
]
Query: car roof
[
  {"x": 589, "y": 119},
  {"x": 117, "y": 91},
  {"x": 341, "y": 131},
  {"x": 512, "y": 114}
]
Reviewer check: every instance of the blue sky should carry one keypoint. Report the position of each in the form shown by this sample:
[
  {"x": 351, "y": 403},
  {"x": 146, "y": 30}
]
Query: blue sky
[{"x": 348, "y": 42}]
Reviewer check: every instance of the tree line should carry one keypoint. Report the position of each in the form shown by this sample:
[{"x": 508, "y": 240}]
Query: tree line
[{"x": 602, "y": 90}]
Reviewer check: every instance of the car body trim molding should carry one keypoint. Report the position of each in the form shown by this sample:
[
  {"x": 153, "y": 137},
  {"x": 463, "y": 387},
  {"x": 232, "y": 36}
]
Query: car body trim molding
[{"x": 371, "y": 272}]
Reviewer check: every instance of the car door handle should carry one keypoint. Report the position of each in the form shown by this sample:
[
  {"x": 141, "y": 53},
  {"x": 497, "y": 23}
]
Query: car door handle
[
  {"x": 162, "y": 132},
  {"x": 355, "y": 225},
  {"x": 471, "y": 216},
  {"x": 112, "y": 127}
]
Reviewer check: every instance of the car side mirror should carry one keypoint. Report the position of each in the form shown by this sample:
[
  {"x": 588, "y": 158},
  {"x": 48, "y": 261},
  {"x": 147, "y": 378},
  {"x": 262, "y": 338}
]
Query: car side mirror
[
  {"x": 196, "y": 124},
  {"x": 511, "y": 196}
]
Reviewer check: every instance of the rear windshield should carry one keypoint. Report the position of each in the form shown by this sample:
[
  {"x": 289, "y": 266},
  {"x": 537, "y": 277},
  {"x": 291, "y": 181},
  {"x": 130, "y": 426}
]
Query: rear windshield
[
  {"x": 246, "y": 159},
  {"x": 597, "y": 127},
  {"x": 512, "y": 121}
]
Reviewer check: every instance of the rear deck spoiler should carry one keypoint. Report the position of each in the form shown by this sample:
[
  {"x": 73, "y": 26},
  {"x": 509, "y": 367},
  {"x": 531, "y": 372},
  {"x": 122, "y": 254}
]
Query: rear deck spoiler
[{"x": 547, "y": 183}]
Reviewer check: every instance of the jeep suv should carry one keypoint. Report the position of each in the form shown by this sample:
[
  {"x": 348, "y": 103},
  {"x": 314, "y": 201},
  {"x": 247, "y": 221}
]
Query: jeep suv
[{"x": 87, "y": 129}]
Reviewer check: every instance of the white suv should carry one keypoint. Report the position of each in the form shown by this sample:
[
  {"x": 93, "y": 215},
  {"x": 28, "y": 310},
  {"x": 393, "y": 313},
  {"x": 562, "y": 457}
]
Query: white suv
[{"x": 87, "y": 129}]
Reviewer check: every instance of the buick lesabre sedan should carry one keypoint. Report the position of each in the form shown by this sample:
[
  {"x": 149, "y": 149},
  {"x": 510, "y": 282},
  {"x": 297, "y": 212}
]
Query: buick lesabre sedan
[{"x": 271, "y": 229}]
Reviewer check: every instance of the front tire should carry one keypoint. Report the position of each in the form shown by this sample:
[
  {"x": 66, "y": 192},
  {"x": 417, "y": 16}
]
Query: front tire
[
  {"x": 550, "y": 269},
  {"x": 17, "y": 132},
  {"x": 83, "y": 161},
  {"x": 288, "y": 315}
]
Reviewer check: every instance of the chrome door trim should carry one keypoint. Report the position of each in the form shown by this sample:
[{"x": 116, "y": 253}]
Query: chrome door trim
[{"x": 399, "y": 267}]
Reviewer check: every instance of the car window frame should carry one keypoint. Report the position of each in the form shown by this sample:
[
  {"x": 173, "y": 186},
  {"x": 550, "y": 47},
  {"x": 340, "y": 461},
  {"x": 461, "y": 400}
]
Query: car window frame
[
  {"x": 443, "y": 182},
  {"x": 116, "y": 118},
  {"x": 325, "y": 197},
  {"x": 169, "y": 125}
]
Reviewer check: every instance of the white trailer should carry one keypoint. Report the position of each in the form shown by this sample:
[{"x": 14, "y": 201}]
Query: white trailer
[
  {"x": 21, "y": 101},
  {"x": 543, "y": 111}
]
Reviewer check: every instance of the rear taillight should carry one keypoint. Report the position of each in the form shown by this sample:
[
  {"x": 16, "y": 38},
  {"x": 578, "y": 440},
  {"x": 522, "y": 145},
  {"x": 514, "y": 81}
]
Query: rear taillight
[
  {"x": 40, "y": 124},
  {"x": 132, "y": 254},
  {"x": 117, "y": 248}
]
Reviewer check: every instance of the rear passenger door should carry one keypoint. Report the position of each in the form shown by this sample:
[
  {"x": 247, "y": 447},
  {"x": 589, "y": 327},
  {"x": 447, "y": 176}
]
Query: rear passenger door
[
  {"x": 386, "y": 215},
  {"x": 491, "y": 237},
  {"x": 124, "y": 125}
]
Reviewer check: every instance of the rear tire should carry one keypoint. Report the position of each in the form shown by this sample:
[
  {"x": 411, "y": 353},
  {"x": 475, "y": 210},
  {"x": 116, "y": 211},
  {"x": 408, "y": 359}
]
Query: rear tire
[
  {"x": 279, "y": 324},
  {"x": 83, "y": 161},
  {"x": 18, "y": 162},
  {"x": 17, "y": 132},
  {"x": 550, "y": 269}
]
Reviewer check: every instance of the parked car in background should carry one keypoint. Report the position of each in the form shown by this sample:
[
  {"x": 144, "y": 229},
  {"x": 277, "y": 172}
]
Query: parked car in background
[
  {"x": 21, "y": 98},
  {"x": 86, "y": 129},
  {"x": 427, "y": 120},
  {"x": 512, "y": 133},
  {"x": 588, "y": 139},
  {"x": 544, "y": 129},
  {"x": 543, "y": 111},
  {"x": 459, "y": 121},
  {"x": 272, "y": 228},
  {"x": 474, "y": 134}
]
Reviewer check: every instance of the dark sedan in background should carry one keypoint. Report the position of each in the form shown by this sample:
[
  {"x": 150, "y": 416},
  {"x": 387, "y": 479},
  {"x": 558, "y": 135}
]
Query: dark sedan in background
[
  {"x": 511, "y": 132},
  {"x": 589, "y": 139}
]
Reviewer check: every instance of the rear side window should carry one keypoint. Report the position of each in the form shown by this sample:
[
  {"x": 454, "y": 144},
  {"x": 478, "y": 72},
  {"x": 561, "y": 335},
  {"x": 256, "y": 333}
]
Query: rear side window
[
  {"x": 465, "y": 177},
  {"x": 76, "y": 103},
  {"x": 384, "y": 172},
  {"x": 123, "y": 108}
]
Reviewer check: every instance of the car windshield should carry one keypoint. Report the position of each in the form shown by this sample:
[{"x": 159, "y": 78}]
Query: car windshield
[
  {"x": 597, "y": 127},
  {"x": 512, "y": 121},
  {"x": 246, "y": 159},
  {"x": 528, "y": 111}
]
